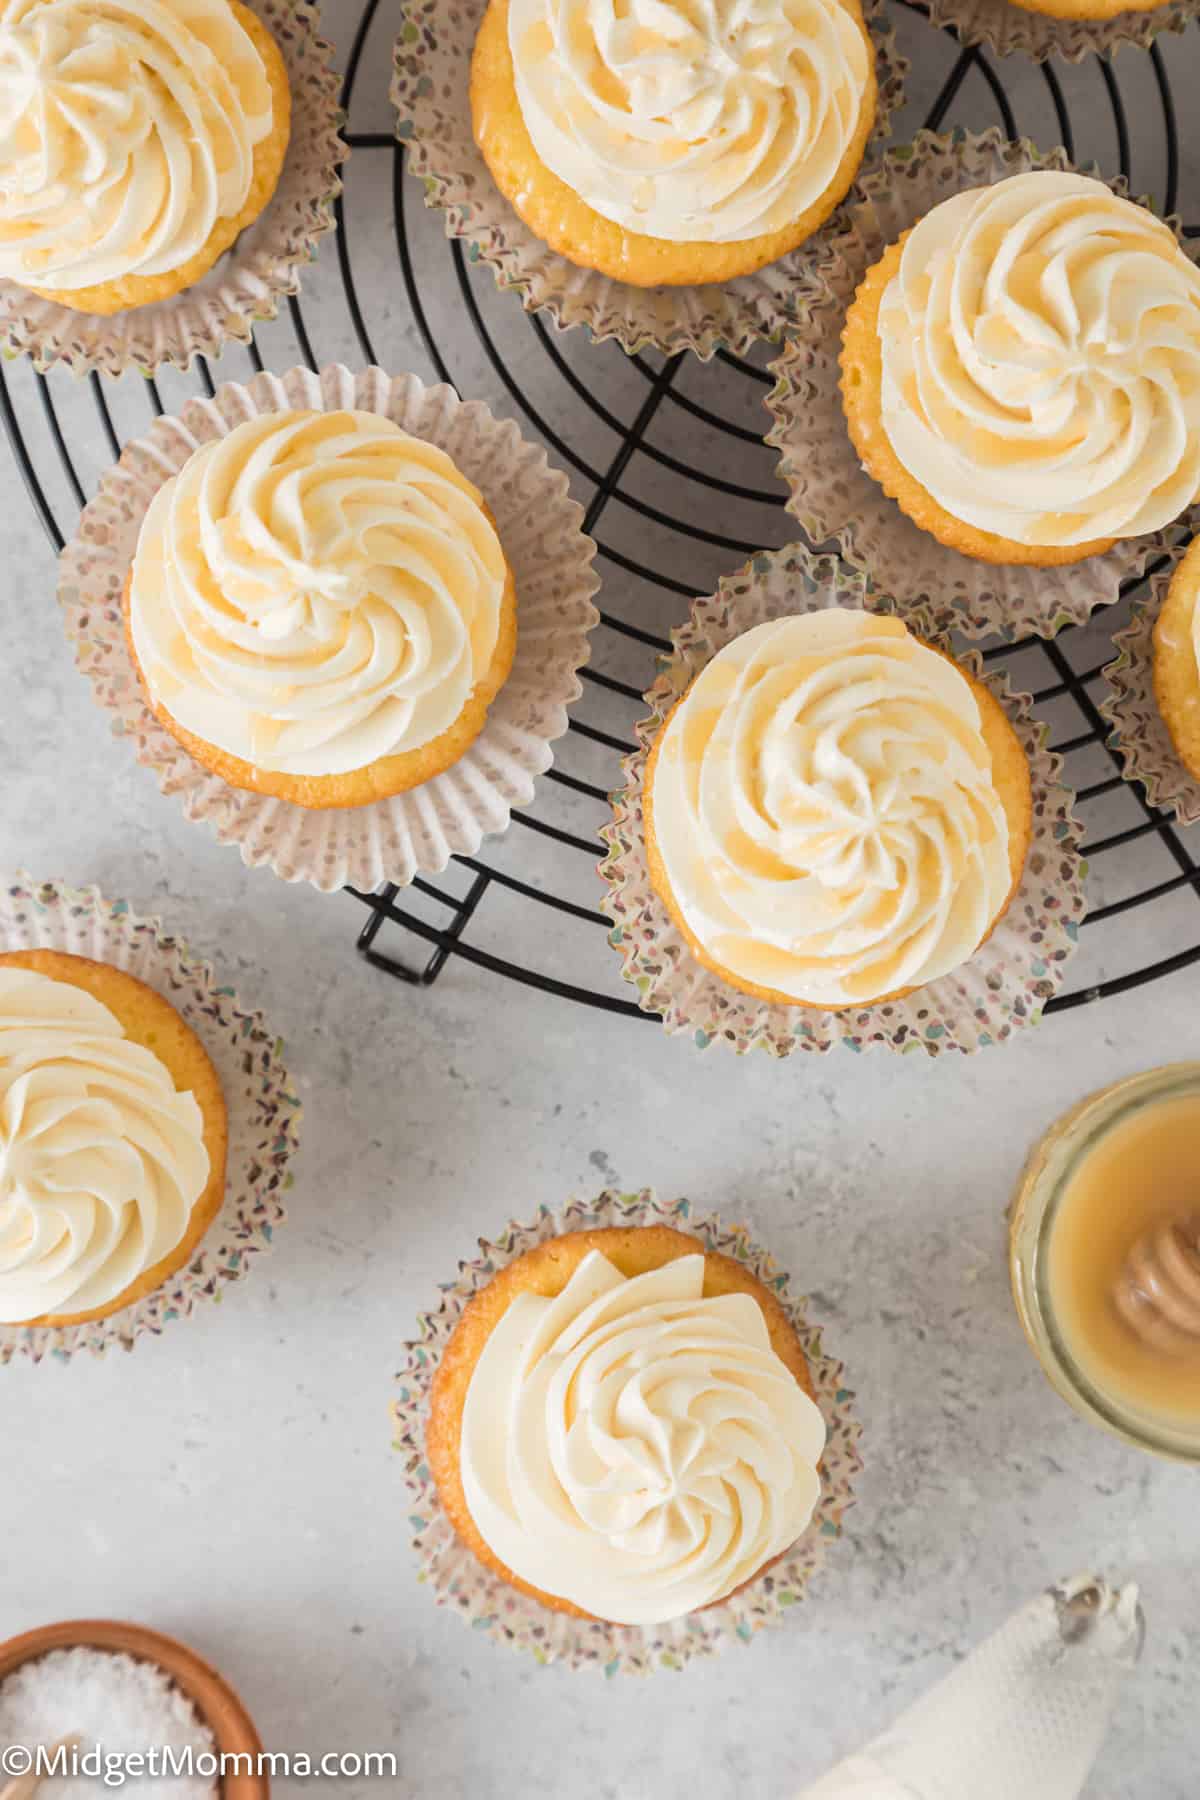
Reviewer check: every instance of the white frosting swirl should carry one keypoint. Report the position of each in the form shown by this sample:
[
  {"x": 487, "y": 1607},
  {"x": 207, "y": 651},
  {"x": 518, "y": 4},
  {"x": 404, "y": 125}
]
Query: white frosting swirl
[
  {"x": 1041, "y": 362},
  {"x": 635, "y": 1448},
  {"x": 316, "y": 591},
  {"x": 705, "y": 121},
  {"x": 101, "y": 1159},
  {"x": 824, "y": 810},
  {"x": 127, "y": 130}
]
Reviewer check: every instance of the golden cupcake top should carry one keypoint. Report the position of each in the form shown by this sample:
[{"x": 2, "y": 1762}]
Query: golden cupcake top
[
  {"x": 1176, "y": 659},
  {"x": 316, "y": 591},
  {"x": 635, "y": 1447},
  {"x": 127, "y": 132},
  {"x": 1041, "y": 362},
  {"x": 823, "y": 811},
  {"x": 101, "y": 1158},
  {"x": 704, "y": 121}
]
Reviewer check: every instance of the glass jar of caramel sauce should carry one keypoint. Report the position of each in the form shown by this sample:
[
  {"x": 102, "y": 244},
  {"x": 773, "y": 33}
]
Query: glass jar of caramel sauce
[{"x": 1104, "y": 1254}]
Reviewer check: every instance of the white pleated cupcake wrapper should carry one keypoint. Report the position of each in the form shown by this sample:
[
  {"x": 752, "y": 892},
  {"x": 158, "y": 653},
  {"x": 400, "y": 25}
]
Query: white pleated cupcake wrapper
[
  {"x": 1139, "y": 731},
  {"x": 417, "y": 832},
  {"x": 830, "y": 492},
  {"x": 1003, "y": 987},
  {"x": 262, "y": 1106},
  {"x": 250, "y": 281},
  {"x": 430, "y": 91},
  {"x": 1009, "y": 29},
  {"x": 506, "y": 1615}
]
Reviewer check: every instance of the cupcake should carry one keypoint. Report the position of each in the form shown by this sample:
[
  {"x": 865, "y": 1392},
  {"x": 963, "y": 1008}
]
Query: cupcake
[
  {"x": 319, "y": 608},
  {"x": 1021, "y": 371},
  {"x": 113, "y": 1135},
  {"x": 668, "y": 143},
  {"x": 835, "y": 812},
  {"x": 1177, "y": 660},
  {"x": 622, "y": 1425},
  {"x": 138, "y": 141}
]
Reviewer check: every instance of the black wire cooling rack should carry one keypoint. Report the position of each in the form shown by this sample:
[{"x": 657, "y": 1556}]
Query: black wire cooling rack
[{"x": 665, "y": 452}]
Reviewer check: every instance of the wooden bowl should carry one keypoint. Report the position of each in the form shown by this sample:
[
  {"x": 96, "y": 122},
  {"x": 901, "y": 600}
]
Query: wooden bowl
[{"x": 215, "y": 1701}]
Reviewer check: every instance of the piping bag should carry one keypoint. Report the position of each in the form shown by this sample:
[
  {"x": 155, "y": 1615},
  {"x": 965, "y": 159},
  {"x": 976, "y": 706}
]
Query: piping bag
[{"x": 1022, "y": 1718}]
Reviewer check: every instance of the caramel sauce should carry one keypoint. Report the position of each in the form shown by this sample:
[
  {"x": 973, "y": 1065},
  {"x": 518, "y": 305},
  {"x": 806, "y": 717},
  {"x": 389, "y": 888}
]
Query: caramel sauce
[{"x": 1119, "y": 1260}]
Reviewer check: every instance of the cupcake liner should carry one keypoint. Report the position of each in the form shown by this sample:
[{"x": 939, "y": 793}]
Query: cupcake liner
[
  {"x": 832, "y": 495},
  {"x": 506, "y": 1615},
  {"x": 1009, "y": 28},
  {"x": 430, "y": 93},
  {"x": 1003, "y": 987},
  {"x": 1139, "y": 733},
  {"x": 263, "y": 1108},
  {"x": 389, "y": 840},
  {"x": 254, "y": 275}
]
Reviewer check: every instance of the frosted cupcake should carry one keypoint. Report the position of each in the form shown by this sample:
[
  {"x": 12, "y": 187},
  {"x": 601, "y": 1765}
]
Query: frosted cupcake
[
  {"x": 835, "y": 812},
  {"x": 669, "y": 142},
  {"x": 138, "y": 139},
  {"x": 1177, "y": 659},
  {"x": 113, "y": 1138},
  {"x": 1021, "y": 371},
  {"x": 320, "y": 608},
  {"x": 622, "y": 1426}
]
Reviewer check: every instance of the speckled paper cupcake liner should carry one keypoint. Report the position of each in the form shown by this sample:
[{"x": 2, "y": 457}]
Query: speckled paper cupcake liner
[
  {"x": 262, "y": 1106},
  {"x": 1139, "y": 731},
  {"x": 829, "y": 491},
  {"x": 430, "y": 91},
  {"x": 246, "y": 284},
  {"x": 1002, "y": 988},
  {"x": 506, "y": 1615},
  {"x": 1010, "y": 29},
  {"x": 416, "y": 832}
]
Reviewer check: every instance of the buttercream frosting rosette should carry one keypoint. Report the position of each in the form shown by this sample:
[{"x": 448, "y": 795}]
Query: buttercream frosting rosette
[
  {"x": 262, "y": 1107},
  {"x": 1009, "y": 28},
  {"x": 193, "y": 179},
  {"x": 417, "y": 830},
  {"x": 830, "y": 492},
  {"x": 1139, "y": 732},
  {"x": 1000, "y": 988},
  {"x": 430, "y": 90},
  {"x": 490, "y": 1604}
]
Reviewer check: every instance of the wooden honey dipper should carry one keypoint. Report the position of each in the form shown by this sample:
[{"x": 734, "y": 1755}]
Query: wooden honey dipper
[
  {"x": 1158, "y": 1295},
  {"x": 24, "y": 1787}
]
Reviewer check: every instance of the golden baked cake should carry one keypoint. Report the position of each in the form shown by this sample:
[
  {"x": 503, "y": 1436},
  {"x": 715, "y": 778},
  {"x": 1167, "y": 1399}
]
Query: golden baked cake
[
  {"x": 835, "y": 812},
  {"x": 1021, "y": 371},
  {"x": 1088, "y": 9},
  {"x": 675, "y": 142},
  {"x": 1177, "y": 659},
  {"x": 320, "y": 609},
  {"x": 139, "y": 137},
  {"x": 622, "y": 1426},
  {"x": 113, "y": 1137}
]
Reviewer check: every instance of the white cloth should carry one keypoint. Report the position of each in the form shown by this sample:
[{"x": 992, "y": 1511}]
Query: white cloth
[{"x": 1022, "y": 1718}]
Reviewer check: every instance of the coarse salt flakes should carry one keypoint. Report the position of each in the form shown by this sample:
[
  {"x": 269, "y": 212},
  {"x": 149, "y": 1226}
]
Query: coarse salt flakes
[{"x": 113, "y": 1702}]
